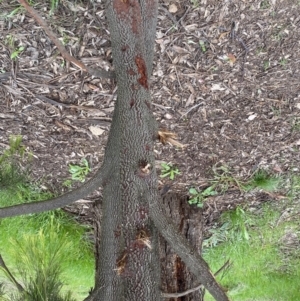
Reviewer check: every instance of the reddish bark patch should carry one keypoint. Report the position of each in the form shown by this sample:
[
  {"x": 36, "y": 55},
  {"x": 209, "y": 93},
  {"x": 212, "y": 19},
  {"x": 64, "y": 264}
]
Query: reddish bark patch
[
  {"x": 179, "y": 266},
  {"x": 130, "y": 10},
  {"x": 142, "y": 70},
  {"x": 121, "y": 7}
]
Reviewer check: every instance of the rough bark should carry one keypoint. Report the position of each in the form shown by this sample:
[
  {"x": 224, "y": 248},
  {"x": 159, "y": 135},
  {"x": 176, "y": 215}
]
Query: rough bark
[{"x": 175, "y": 276}]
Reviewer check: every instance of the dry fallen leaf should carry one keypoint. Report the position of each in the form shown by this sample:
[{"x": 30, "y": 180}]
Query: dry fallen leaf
[
  {"x": 217, "y": 87},
  {"x": 96, "y": 130},
  {"x": 166, "y": 136},
  {"x": 231, "y": 58},
  {"x": 173, "y": 8}
]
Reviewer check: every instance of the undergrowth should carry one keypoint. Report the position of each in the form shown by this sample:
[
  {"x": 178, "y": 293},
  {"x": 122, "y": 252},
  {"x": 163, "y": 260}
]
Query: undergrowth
[
  {"x": 77, "y": 262},
  {"x": 260, "y": 268}
]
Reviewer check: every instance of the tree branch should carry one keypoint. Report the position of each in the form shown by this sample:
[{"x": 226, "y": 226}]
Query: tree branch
[
  {"x": 58, "y": 202},
  {"x": 180, "y": 245}
]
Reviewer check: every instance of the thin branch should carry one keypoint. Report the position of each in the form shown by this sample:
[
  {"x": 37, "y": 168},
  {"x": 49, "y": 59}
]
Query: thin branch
[
  {"x": 182, "y": 294},
  {"x": 58, "y": 202}
]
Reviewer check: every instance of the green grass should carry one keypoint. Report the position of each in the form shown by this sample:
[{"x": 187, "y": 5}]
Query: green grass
[
  {"x": 259, "y": 271},
  {"x": 15, "y": 187}
]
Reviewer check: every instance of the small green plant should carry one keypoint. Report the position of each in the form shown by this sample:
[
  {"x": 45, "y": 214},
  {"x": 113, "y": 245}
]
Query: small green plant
[
  {"x": 195, "y": 3},
  {"x": 53, "y": 6},
  {"x": 264, "y": 4},
  {"x": 13, "y": 12},
  {"x": 16, "y": 52},
  {"x": 198, "y": 197},
  {"x": 266, "y": 65},
  {"x": 223, "y": 179},
  {"x": 202, "y": 45},
  {"x": 295, "y": 124},
  {"x": 238, "y": 222},
  {"x": 262, "y": 180},
  {"x": 11, "y": 160},
  {"x": 79, "y": 172},
  {"x": 283, "y": 62},
  {"x": 168, "y": 170},
  {"x": 40, "y": 260}
]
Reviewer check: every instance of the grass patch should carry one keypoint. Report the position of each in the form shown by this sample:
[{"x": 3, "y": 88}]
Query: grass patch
[
  {"x": 77, "y": 260},
  {"x": 260, "y": 270}
]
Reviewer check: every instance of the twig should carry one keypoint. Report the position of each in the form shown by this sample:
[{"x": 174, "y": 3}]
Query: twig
[
  {"x": 190, "y": 109},
  {"x": 178, "y": 295}
]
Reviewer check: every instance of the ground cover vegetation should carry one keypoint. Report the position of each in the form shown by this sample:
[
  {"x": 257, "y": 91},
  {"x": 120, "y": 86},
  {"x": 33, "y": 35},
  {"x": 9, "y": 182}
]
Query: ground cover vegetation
[{"x": 44, "y": 252}]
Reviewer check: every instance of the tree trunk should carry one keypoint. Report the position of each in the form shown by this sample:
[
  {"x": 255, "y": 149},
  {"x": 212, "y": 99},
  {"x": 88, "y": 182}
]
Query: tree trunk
[
  {"x": 128, "y": 263},
  {"x": 175, "y": 275}
]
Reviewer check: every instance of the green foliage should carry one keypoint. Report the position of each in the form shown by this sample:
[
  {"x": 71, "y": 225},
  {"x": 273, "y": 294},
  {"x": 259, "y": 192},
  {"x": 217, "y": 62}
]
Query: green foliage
[
  {"x": 259, "y": 270},
  {"x": 234, "y": 227},
  {"x": 79, "y": 172},
  {"x": 223, "y": 179},
  {"x": 195, "y": 3},
  {"x": 202, "y": 45},
  {"x": 15, "y": 187},
  {"x": 265, "y": 4},
  {"x": 16, "y": 52},
  {"x": 198, "y": 197},
  {"x": 53, "y": 6},
  {"x": 11, "y": 161},
  {"x": 40, "y": 259},
  {"x": 237, "y": 221},
  {"x": 262, "y": 180},
  {"x": 266, "y": 65},
  {"x": 168, "y": 170}
]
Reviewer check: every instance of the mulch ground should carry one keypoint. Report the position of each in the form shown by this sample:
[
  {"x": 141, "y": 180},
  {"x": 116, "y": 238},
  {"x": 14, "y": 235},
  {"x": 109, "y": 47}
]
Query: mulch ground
[{"x": 225, "y": 80}]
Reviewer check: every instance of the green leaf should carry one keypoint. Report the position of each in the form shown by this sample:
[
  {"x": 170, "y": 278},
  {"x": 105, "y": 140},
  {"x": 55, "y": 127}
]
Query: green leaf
[
  {"x": 165, "y": 166},
  {"x": 164, "y": 175},
  {"x": 209, "y": 191},
  {"x": 193, "y": 191}
]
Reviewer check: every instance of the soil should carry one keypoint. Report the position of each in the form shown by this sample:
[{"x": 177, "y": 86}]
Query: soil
[{"x": 225, "y": 80}]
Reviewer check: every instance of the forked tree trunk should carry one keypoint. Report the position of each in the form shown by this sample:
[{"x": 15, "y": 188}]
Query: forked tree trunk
[{"x": 175, "y": 276}]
